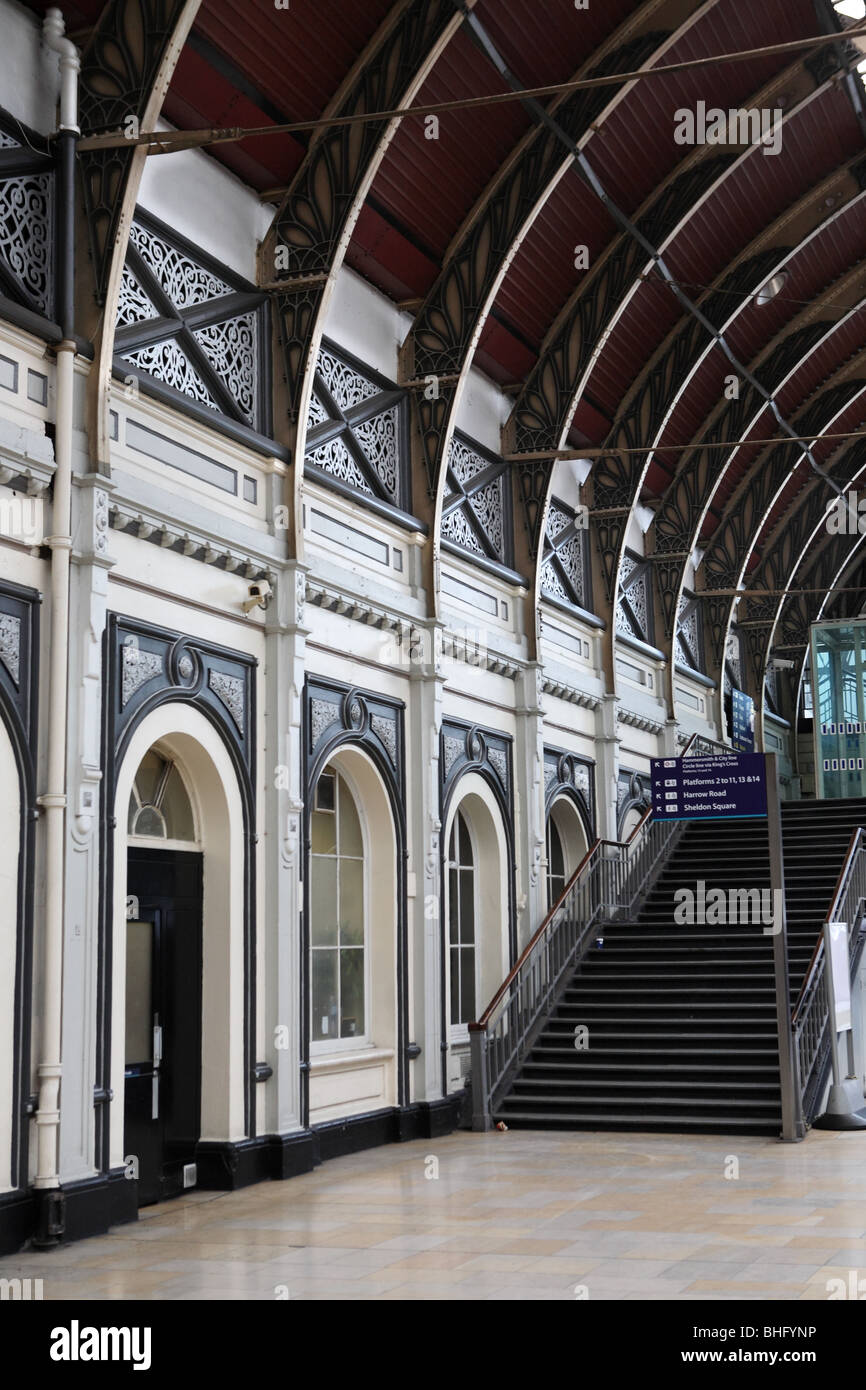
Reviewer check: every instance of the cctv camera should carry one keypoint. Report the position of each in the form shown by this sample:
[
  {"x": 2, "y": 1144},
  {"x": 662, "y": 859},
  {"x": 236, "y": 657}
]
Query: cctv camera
[{"x": 260, "y": 593}]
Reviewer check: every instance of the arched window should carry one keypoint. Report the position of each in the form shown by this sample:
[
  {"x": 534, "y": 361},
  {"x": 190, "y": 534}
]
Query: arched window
[
  {"x": 337, "y": 925},
  {"x": 159, "y": 806},
  {"x": 461, "y": 922},
  {"x": 555, "y": 864}
]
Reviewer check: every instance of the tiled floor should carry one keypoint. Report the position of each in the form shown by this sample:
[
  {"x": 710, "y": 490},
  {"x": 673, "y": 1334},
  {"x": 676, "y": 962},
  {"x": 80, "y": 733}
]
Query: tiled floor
[{"x": 503, "y": 1216}]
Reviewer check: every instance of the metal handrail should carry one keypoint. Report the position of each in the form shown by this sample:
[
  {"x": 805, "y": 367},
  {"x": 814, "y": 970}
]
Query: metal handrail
[
  {"x": 608, "y": 883},
  {"x": 810, "y": 1017}
]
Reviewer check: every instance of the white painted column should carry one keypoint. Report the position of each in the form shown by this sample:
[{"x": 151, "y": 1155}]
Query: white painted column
[
  {"x": 607, "y": 770},
  {"x": 424, "y": 723},
  {"x": 91, "y": 563},
  {"x": 279, "y": 917},
  {"x": 529, "y": 825}
]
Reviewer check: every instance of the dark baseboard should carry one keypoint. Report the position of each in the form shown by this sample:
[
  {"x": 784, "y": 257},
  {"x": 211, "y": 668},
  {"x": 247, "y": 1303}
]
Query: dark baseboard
[
  {"x": 336, "y": 1138},
  {"x": 17, "y": 1220},
  {"x": 226, "y": 1166},
  {"x": 292, "y": 1154}
]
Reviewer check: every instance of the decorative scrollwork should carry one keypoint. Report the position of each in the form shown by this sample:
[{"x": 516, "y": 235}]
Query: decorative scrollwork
[
  {"x": 215, "y": 360},
  {"x": 368, "y": 450},
  {"x": 476, "y": 513},
  {"x": 26, "y": 236}
]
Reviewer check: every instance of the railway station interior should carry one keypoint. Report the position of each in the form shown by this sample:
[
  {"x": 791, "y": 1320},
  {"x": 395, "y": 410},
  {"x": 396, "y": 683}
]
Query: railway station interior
[{"x": 433, "y": 649}]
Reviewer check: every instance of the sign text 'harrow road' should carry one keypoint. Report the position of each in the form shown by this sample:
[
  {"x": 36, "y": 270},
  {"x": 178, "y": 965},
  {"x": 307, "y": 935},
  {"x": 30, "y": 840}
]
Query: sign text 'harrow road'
[{"x": 711, "y": 788}]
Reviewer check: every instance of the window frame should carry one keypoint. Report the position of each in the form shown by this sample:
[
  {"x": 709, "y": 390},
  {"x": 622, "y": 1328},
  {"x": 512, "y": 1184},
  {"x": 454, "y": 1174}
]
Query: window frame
[
  {"x": 459, "y": 1032},
  {"x": 320, "y": 1047}
]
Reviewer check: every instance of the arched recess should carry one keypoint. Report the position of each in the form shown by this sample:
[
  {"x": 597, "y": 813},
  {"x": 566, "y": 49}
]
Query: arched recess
[
  {"x": 475, "y": 803},
  {"x": 353, "y": 1068},
  {"x": 186, "y": 735},
  {"x": 361, "y": 734},
  {"x": 566, "y": 818},
  {"x": 160, "y": 687},
  {"x": 632, "y": 800},
  {"x": 19, "y": 645}
]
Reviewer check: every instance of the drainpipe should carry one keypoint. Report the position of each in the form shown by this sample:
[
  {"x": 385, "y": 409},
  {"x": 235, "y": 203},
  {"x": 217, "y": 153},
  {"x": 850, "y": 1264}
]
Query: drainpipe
[{"x": 53, "y": 800}]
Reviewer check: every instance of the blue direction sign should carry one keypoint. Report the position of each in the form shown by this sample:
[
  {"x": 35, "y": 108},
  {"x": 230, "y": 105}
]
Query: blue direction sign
[
  {"x": 743, "y": 721},
  {"x": 716, "y": 787}
]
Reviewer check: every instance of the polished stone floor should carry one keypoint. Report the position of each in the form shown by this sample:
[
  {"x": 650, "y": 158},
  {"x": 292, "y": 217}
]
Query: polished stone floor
[{"x": 503, "y": 1216}]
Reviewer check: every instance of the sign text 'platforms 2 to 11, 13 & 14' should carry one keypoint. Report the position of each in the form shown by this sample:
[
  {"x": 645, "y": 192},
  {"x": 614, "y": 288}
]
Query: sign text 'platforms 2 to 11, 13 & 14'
[{"x": 716, "y": 787}]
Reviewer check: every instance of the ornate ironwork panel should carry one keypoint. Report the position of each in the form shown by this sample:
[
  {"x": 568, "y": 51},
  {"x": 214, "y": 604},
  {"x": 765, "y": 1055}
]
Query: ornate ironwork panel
[
  {"x": 193, "y": 326},
  {"x": 357, "y": 429},
  {"x": 634, "y": 616},
  {"x": 565, "y": 574},
  {"x": 26, "y": 218},
  {"x": 690, "y": 633},
  {"x": 476, "y": 513}
]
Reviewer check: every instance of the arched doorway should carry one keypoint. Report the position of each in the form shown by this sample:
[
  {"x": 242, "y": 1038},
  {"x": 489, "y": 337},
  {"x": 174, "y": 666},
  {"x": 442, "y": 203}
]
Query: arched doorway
[
  {"x": 565, "y": 845},
  {"x": 476, "y": 926},
  {"x": 178, "y": 973},
  {"x": 353, "y": 932},
  {"x": 162, "y": 1037}
]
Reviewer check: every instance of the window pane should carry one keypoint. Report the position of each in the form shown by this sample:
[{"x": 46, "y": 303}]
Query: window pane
[
  {"x": 148, "y": 776},
  {"x": 149, "y": 822},
  {"x": 452, "y": 843},
  {"x": 351, "y": 902},
  {"x": 465, "y": 842},
  {"x": 455, "y": 984},
  {"x": 453, "y": 906},
  {"x": 467, "y": 905},
  {"x": 133, "y": 811},
  {"x": 350, "y": 827},
  {"x": 554, "y": 851},
  {"x": 323, "y": 832},
  {"x": 323, "y": 901},
  {"x": 177, "y": 810},
  {"x": 139, "y": 1002},
  {"x": 324, "y": 1019},
  {"x": 467, "y": 986},
  {"x": 352, "y": 993}
]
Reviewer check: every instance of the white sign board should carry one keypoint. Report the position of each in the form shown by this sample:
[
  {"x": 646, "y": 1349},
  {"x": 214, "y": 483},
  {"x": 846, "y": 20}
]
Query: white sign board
[{"x": 839, "y": 983}]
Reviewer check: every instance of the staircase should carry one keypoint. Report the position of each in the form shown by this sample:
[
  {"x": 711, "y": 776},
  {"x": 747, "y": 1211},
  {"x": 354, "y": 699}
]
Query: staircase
[{"x": 681, "y": 1018}]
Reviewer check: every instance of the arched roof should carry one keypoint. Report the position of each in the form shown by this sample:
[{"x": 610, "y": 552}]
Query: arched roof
[{"x": 627, "y": 349}]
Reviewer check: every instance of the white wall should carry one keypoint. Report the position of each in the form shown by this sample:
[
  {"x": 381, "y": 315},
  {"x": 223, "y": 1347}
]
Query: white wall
[
  {"x": 29, "y": 73},
  {"x": 205, "y": 203}
]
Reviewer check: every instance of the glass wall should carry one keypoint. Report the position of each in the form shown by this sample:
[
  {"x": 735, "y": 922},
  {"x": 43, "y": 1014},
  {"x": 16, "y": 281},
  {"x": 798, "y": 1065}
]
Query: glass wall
[{"x": 838, "y": 652}]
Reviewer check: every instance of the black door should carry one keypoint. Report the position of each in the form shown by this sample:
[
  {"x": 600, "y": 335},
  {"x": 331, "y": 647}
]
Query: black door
[{"x": 162, "y": 1118}]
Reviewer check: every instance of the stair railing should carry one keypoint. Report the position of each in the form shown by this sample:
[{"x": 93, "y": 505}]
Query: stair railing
[
  {"x": 810, "y": 1018},
  {"x": 607, "y": 885}
]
